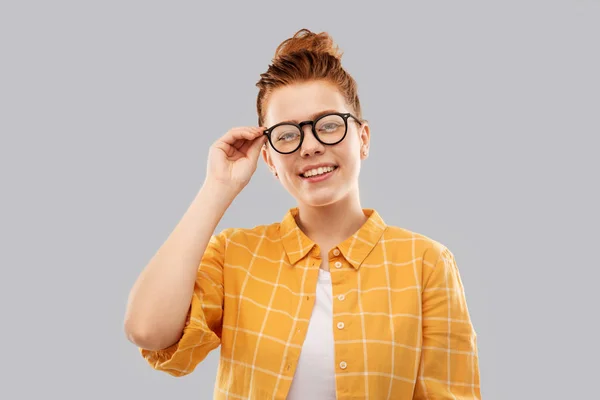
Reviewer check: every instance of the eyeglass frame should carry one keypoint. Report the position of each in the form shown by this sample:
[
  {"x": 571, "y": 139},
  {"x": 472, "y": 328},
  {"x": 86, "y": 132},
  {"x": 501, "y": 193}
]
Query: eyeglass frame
[{"x": 312, "y": 123}]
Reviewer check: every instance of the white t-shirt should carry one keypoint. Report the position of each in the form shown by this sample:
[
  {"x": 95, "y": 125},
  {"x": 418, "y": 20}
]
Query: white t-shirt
[{"x": 315, "y": 373}]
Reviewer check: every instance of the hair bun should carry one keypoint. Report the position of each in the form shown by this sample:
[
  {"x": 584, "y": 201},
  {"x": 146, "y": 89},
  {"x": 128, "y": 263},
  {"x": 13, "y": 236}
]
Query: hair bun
[{"x": 304, "y": 39}]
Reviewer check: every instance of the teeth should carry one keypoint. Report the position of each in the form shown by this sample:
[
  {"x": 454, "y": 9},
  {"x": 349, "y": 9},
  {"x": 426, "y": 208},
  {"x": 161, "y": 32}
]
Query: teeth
[{"x": 317, "y": 171}]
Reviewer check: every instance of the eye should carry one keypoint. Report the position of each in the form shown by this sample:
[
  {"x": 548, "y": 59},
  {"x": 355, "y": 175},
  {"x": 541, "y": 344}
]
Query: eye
[
  {"x": 290, "y": 135},
  {"x": 330, "y": 127}
]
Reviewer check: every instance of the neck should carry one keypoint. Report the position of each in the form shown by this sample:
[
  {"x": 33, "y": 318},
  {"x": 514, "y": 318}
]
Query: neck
[{"x": 333, "y": 223}]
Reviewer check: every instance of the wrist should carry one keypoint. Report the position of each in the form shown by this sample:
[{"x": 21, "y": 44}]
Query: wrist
[{"x": 220, "y": 190}]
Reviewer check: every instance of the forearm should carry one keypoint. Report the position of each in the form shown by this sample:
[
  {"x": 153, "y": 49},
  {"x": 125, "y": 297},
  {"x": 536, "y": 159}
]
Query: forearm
[{"x": 161, "y": 296}]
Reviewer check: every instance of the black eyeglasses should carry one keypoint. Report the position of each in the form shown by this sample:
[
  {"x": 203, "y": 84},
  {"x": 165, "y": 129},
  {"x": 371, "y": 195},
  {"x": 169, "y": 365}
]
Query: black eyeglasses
[{"x": 329, "y": 129}]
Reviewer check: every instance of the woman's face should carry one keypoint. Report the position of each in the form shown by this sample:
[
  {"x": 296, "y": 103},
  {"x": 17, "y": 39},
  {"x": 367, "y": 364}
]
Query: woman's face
[{"x": 301, "y": 102}]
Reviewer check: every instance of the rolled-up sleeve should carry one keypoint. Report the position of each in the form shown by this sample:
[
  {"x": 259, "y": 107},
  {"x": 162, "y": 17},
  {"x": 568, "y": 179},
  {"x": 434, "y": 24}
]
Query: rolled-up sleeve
[
  {"x": 202, "y": 332},
  {"x": 449, "y": 365}
]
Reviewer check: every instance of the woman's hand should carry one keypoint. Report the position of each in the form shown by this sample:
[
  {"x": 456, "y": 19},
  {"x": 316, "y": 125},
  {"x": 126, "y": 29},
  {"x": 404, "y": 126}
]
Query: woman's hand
[{"x": 232, "y": 159}]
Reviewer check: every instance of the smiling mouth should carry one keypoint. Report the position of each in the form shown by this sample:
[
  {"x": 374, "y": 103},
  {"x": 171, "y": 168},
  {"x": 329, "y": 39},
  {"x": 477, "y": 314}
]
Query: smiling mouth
[{"x": 318, "y": 172}]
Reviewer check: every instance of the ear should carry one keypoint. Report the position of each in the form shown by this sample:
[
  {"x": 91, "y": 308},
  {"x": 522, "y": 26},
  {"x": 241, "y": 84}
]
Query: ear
[
  {"x": 365, "y": 140},
  {"x": 266, "y": 155}
]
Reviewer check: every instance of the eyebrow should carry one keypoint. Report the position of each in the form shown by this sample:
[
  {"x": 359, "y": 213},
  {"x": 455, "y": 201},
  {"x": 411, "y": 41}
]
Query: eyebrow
[{"x": 312, "y": 117}]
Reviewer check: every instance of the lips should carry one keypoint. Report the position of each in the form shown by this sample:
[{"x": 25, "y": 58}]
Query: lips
[
  {"x": 309, "y": 168},
  {"x": 319, "y": 178}
]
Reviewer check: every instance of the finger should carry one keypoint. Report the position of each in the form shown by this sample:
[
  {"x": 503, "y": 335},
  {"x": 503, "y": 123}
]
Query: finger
[
  {"x": 238, "y": 144},
  {"x": 247, "y": 133},
  {"x": 246, "y": 127},
  {"x": 244, "y": 145},
  {"x": 254, "y": 150},
  {"x": 229, "y": 150},
  {"x": 239, "y": 134},
  {"x": 235, "y": 138},
  {"x": 233, "y": 142}
]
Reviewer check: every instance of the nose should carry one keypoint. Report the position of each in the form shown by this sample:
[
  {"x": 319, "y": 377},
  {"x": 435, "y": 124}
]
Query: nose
[{"x": 310, "y": 144}]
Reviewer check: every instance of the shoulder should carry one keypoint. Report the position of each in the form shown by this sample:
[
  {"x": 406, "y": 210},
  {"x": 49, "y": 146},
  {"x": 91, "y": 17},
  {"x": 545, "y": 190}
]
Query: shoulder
[
  {"x": 258, "y": 236},
  {"x": 429, "y": 257},
  {"x": 418, "y": 245}
]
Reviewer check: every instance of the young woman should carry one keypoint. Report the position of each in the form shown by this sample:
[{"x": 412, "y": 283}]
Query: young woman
[{"x": 328, "y": 303}]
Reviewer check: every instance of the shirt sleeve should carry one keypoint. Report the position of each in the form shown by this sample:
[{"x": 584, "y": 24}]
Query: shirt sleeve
[
  {"x": 449, "y": 365},
  {"x": 202, "y": 332}
]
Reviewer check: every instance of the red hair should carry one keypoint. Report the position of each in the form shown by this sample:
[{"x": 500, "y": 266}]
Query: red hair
[{"x": 307, "y": 56}]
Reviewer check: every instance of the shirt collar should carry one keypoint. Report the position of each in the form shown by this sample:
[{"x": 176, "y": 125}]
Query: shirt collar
[{"x": 354, "y": 249}]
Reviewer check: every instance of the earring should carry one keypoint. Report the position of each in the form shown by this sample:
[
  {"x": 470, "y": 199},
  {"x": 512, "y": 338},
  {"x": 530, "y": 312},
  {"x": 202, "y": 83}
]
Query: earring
[{"x": 365, "y": 152}]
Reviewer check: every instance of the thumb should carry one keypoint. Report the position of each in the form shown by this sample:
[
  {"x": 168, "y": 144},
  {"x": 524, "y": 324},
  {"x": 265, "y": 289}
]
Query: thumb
[{"x": 254, "y": 149}]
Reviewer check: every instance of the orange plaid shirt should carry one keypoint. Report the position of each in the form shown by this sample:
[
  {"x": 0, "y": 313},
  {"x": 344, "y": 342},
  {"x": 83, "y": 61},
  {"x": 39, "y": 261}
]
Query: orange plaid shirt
[{"x": 407, "y": 333}]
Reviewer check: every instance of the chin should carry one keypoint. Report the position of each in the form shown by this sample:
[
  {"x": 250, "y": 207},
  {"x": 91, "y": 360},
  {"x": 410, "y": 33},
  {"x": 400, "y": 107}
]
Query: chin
[{"x": 319, "y": 200}]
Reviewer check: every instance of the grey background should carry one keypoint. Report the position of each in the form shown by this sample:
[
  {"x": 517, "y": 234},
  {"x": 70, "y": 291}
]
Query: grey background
[{"x": 484, "y": 120}]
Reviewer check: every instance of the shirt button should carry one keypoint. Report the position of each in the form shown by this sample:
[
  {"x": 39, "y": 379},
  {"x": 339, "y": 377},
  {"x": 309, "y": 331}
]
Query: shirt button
[
  {"x": 340, "y": 325},
  {"x": 338, "y": 265},
  {"x": 341, "y": 297},
  {"x": 336, "y": 252},
  {"x": 343, "y": 365}
]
